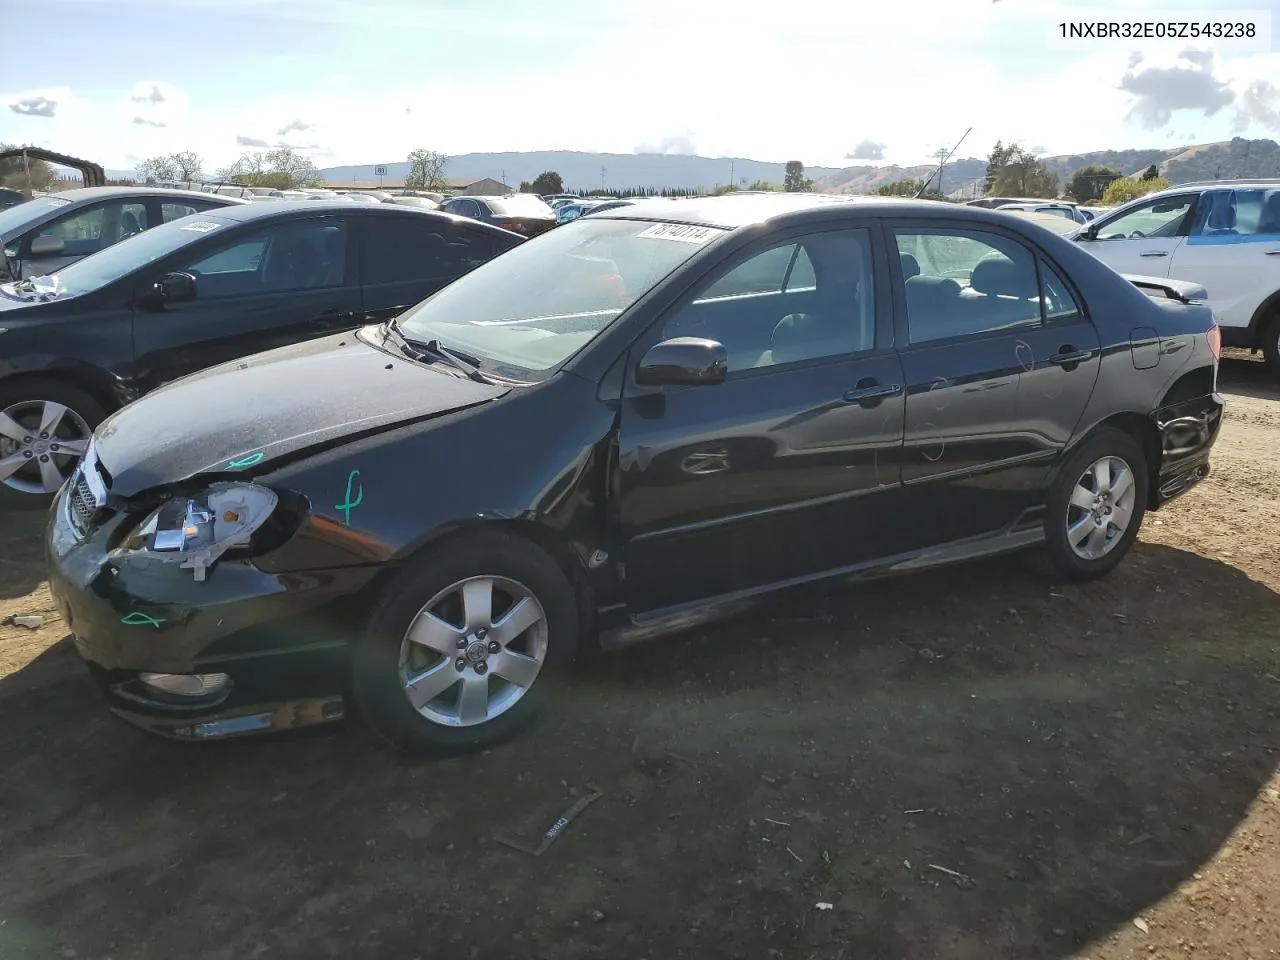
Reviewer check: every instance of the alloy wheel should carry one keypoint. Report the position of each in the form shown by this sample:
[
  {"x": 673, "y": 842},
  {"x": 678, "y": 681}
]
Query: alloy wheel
[
  {"x": 1101, "y": 508},
  {"x": 40, "y": 444},
  {"x": 473, "y": 651}
]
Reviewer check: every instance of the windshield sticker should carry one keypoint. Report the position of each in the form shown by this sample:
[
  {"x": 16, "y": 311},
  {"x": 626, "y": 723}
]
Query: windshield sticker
[
  {"x": 353, "y": 485},
  {"x": 201, "y": 226},
  {"x": 56, "y": 201},
  {"x": 682, "y": 232}
]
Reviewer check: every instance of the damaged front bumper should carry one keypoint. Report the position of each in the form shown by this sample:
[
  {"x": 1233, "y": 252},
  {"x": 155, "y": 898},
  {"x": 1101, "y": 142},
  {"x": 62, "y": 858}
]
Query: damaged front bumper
[
  {"x": 271, "y": 646},
  {"x": 1187, "y": 432}
]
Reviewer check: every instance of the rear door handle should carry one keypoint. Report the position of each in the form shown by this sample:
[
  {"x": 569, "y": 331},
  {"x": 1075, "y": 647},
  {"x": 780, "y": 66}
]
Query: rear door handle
[
  {"x": 1068, "y": 355},
  {"x": 876, "y": 391},
  {"x": 1154, "y": 253}
]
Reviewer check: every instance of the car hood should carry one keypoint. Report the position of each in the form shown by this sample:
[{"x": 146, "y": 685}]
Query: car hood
[{"x": 244, "y": 415}]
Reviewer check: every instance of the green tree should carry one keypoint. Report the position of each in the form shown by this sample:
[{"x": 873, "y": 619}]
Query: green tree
[
  {"x": 999, "y": 156},
  {"x": 1151, "y": 173},
  {"x": 1089, "y": 183},
  {"x": 426, "y": 170},
  {"x": 547, "y": 182},
  {"x": 13, "y": 173},
  {"x": 1129, "y": 188},
  {"x": 1024, "y": 175},
  {"x": 907, "y": 187},
  {"x": 280, "y": 169},
  {"x": 724, "y": 188},
  {"x": 793, "y": 180}
]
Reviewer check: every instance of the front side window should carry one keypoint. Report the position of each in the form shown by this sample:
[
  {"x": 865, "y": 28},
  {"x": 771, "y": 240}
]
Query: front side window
[
  {"x": 968, "y": 282},
  {"x": 802, "y": 300},
  {"x": 310, "y": 255},
  {"x": 94, "y": 228},
  {"x": 532, "y": 308},
  {"x": 1163, "y": 217}
]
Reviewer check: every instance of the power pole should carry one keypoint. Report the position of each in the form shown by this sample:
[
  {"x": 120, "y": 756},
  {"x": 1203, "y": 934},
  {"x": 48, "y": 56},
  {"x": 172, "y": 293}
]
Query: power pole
[
  {"x": 942, "y": 166},
  {"x": 602, "y": 179},
  {"x": 730, "y": 170}
]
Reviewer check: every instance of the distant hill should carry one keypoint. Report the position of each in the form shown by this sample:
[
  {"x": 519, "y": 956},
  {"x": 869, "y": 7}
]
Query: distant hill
[
  {"x": 1227, "y": 160},
  {"x": 582, "y": 171}
]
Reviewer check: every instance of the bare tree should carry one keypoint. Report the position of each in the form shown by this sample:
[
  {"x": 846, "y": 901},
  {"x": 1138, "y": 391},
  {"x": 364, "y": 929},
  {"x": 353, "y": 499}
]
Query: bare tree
[
  {"x": 426, "y": 170},
  {"x": 187, "y": 165},
  {"x": 299, "y": 169},
  {"x": 158, "y": 168}
]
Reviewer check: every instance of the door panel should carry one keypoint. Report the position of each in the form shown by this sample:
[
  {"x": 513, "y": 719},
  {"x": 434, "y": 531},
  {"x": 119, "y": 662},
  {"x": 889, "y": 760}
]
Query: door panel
[
  {"x": 788, "y": 468},
  {"x": 1145, "y": 239},
  {"x": 986, "y": 408},
  {"x": 258, "y": 290},
  {"x": 1233, "y": 251}
]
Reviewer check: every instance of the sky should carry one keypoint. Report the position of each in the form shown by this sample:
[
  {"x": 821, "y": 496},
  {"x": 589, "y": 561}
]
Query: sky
[{"x": 832, "y": 83}]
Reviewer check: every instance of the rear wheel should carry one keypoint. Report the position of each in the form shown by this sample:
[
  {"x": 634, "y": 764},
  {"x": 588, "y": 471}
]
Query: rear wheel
[
  {"x": 45, "y": 428},
  {"x": 1271, "y": 344},
  {"x": 467, "y": 645},
  {"x": 1096, "y": 506}
]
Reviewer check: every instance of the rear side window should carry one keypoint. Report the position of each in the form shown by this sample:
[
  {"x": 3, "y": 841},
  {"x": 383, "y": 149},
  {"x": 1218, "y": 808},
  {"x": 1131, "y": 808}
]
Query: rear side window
[
  {"x": 397, "y": 249},
  {"x": 1225, "y": 214},
  {"x": 966, "y": 282},
  {"x": 1059, "y": 304}
]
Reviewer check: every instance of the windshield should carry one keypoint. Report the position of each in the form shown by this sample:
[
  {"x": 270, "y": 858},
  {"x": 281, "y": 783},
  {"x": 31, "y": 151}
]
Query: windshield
[
  {"x": 96, "y": 271},
  {"x": 13, "y": 219},
  {"x": 530, "y": 309}
]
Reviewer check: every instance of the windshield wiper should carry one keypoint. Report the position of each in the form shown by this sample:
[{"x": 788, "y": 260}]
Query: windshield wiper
[{"x": 435, "y": 350}]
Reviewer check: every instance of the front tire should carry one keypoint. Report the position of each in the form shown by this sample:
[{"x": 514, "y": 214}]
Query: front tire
[
  {"x": 1271, "y": 345},
  {"x": 466, "y": 644},
  {"x": 45, "y": 428},
  {"x": 1096, "y": 505}
]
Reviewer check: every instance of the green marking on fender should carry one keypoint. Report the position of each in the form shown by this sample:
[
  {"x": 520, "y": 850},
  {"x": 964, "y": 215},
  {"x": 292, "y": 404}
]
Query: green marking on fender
[
  {"x": 348, "y": 504},
  {"x": 139, "y": 619},
  {"x": 251, "y": 460}
]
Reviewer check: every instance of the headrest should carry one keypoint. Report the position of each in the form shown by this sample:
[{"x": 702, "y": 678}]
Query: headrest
[
  {"x": 1000, "y": 277},
  {"x": 1222, "y": 217},
  {"x": 910, "y": 266},
  {"x": 935, "y": 285}
]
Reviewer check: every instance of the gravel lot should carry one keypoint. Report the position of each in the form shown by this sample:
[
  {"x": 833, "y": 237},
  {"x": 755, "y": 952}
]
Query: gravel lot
[{"x": 1097, "y": 763}]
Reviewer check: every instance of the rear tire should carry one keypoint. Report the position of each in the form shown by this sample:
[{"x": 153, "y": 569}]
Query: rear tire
[
  {"x": 1096, "y": 505},
  {"x": 1271, "y": 344},
  {"x": 71, "y": 413},
  {"x": 495, "y": 627}
]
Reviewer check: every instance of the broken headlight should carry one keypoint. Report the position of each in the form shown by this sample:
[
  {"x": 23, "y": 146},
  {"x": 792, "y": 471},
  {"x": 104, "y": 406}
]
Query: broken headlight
[{"x": 195, "y": 531}]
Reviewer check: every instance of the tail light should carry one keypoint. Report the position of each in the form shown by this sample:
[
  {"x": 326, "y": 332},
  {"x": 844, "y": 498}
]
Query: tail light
[{"x": 1214, "y": 337}]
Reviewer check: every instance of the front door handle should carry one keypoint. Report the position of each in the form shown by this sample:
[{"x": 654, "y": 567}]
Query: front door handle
[
  {"x": 1154, "y": 253},
  {"x": 872, "y": 391},
  {"x": 1069, "y": 356},
  {"x": 1272, "y": 253}
]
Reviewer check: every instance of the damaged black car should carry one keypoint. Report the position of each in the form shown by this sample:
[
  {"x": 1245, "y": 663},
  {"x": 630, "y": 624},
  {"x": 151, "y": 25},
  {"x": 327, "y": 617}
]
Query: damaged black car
[{"x": 633, "y": 423}]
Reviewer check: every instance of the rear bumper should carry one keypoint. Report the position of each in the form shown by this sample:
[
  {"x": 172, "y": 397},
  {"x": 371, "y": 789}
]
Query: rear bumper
[{"x": 1187, "y": 432}]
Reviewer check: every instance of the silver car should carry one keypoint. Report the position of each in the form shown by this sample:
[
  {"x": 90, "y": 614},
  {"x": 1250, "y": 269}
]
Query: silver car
[{"x": 49, "y": 232}]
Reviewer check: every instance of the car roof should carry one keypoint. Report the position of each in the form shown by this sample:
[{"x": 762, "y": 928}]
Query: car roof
[
  {"x": 243, "y": 213},
  {"x": 738, "y": 210},
  {"x": 80, "y": 194}
]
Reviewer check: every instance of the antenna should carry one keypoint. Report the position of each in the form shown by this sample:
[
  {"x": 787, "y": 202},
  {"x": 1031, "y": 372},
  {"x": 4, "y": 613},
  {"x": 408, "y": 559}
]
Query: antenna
[{"x": 942, "y": 164}]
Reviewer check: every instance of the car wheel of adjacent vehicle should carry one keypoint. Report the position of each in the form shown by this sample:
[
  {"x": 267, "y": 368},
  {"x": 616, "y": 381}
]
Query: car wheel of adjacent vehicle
[
  {"x": 1096, "y": 506},
  {"x": 466, "y": 644},
  {"x": 45, "y": 428},
  {"x": 1271, "y": 345}
]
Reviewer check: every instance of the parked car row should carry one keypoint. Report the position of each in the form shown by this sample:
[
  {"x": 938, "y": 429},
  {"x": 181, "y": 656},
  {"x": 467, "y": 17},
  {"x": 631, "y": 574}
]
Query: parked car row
[
  {"x": 192, "y": 291},
  {"x": 634, "y": 422}
]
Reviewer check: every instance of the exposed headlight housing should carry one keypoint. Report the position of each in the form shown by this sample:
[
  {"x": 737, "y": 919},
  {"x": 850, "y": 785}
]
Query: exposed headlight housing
[{"x": 195, "y": 531}]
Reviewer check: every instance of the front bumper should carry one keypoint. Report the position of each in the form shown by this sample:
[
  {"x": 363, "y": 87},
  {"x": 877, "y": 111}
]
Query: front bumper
[
  {"x": 1187, "y": 432},
  {"x": 280, "y": 637}
]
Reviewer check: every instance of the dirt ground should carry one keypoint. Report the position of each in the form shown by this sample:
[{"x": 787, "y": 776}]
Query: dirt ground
[{"x": 1097, "y": 763}]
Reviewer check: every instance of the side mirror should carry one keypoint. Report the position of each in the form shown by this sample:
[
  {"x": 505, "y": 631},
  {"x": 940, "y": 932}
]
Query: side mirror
[
  {"x": 175, "y": 287},
  {"x": 1088, "y": 232},
  {"x": 691, "y": 361},
  {"x": 45, "y": 246}
]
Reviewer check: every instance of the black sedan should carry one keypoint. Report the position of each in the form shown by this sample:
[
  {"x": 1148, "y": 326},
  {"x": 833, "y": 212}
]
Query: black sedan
[
  {"x": 197, "y": 292},
  {"x": 55, "y": 230},
  {"x": 636, "y": 421},
  {"x": 525, "y": 213}
]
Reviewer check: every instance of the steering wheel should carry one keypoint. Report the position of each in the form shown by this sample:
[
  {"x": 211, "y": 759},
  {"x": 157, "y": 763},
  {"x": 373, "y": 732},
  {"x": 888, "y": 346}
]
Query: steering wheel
[{"x": 1137, "y": 235}]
